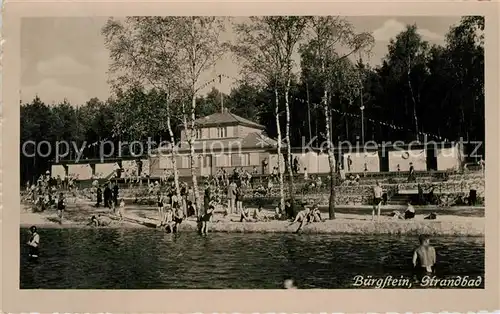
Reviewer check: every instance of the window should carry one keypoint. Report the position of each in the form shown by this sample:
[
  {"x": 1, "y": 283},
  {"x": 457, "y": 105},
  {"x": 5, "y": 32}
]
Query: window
[
  {"x": 199, "y": 133},
  {"x": 222, "y": 132},
  {"x": 245, "y": 160}
]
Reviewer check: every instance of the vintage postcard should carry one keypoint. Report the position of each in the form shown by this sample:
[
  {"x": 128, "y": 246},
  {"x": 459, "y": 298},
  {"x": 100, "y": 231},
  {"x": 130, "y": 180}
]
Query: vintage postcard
[{"x": 209, "y": 156}]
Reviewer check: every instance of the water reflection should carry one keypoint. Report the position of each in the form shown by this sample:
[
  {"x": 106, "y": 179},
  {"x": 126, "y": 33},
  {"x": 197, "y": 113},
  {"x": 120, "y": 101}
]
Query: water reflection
[{"x": 151, "y": 259}]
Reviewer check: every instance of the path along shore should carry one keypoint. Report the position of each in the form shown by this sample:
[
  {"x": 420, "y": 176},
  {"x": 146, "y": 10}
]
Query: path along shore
[{"x": 449, "y": 224}]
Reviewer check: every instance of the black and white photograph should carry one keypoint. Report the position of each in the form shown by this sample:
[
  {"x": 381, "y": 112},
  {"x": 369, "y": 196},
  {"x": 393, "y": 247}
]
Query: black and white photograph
[{"x": 252, "y": 152}]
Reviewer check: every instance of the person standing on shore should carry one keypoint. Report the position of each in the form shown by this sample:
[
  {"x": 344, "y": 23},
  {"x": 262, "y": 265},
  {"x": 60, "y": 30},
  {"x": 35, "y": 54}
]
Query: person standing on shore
[
  {"x": 178, "y": 217},
  {"x": 116, "y": 191},
  {"x": 205, "y": 219},
  {"x": 107, "y": 196},
  {"x": 231, "y": 197},
  {"x": 61, "y": 206},
  {"x": 377, "y": 200},
  {"x": 424, "y": 258},
  {"x": 33, "y": 243},
  {"x": 239, "y": 199},
  {"x": 161, "y": 208},
  {"x": 99, "y": 197}
]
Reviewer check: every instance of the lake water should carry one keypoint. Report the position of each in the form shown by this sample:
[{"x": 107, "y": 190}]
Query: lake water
[{"x": 152, "y": 259}]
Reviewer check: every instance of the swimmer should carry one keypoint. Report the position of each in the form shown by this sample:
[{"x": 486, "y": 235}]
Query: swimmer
[
  {"x": 33, "y": 243},
  {"x": 424, "y": 258}
]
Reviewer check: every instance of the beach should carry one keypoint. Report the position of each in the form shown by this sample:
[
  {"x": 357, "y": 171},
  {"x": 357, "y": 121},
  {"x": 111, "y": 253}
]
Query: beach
[{"x": 357, "y": 222}]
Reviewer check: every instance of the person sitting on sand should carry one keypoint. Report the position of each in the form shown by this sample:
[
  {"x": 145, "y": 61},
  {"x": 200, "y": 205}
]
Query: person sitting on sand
[
  {"x": 424, "y": 258},
  {"x": 301, "y": 218},
  {"x": 245, "y": 215},
  {"x": 431, "y": 216},
  {"x": 409, "y": 212},
  {"x": 258, "y": 215},
  {"x": 99, "y": 221},
  {"x": 277, "y": 213},
  {"x": 205, "y": 219},
  {"x": 289, "y": 210},
  {"x": 315, "y": 214},
  {"x": 396, "y": 215}
]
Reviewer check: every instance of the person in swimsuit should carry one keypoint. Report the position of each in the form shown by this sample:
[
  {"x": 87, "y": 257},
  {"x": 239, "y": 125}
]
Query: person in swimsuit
[
  {"x": 33, "y": 243},
  {"x": 377, "y": 200},
  {"x": 169, "y": 221},
  {"x": 121, "y": 210},
  {"x": 205, "y": 219},
  {"x": 302, "y": 218},
  {"x": 257, "y": 214},
  {"x": 100, "y": 221},
  {"x": 61, "y": 206},
  {"x": 315, "y": 215},
  {"x": 409, "y": 212},
  {"x": 178, "y": 217},
  {"x": 161, "y": 208},
  {"x": 424, "y": 258},
  {"x": 245, "y": 215}
]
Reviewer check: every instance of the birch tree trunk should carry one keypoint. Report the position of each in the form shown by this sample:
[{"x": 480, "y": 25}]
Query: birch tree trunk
[
  {"x": 278, "y": 130},
  {"x": 287, "y": 140},
  {"x": 192, "y": 157},
  {"x": 331, "y": 161},
  {"x": 308, "y": 111},
  {"x": 415, "y": 118},
  {"x": 173, "y": 155}
]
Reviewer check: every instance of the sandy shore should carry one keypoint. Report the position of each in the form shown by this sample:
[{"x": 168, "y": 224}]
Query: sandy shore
[{"x": 77, "y": 216}]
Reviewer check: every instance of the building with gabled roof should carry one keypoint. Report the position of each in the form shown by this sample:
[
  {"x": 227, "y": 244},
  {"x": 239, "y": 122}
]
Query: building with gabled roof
[{"x": 224, "y": 140}]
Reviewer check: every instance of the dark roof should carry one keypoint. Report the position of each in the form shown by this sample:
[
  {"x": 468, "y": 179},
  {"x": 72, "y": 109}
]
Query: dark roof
[{"x": 226, "y": 118}]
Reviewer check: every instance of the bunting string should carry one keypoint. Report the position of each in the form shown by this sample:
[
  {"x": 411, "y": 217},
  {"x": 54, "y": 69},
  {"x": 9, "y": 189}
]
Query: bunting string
[{"x": 379, "y": 122}]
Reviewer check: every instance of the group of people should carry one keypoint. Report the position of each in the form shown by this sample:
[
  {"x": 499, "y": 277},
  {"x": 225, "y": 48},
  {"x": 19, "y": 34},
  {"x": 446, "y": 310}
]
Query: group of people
[{"x": 43, "y": 194}]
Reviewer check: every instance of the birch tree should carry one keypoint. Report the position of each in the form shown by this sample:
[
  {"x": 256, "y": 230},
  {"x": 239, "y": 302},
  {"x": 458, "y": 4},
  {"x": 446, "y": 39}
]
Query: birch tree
[
  {"x": 261, "y": 63},
  {"x": 199, "y": 47},
  {"x": 286, "y": 32},
  {"x": 143, "y": 52},
  {"x": 332, "y": 39}
]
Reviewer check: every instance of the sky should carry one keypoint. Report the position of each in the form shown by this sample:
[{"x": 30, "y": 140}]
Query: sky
[{"x": 65, "y": 57}]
